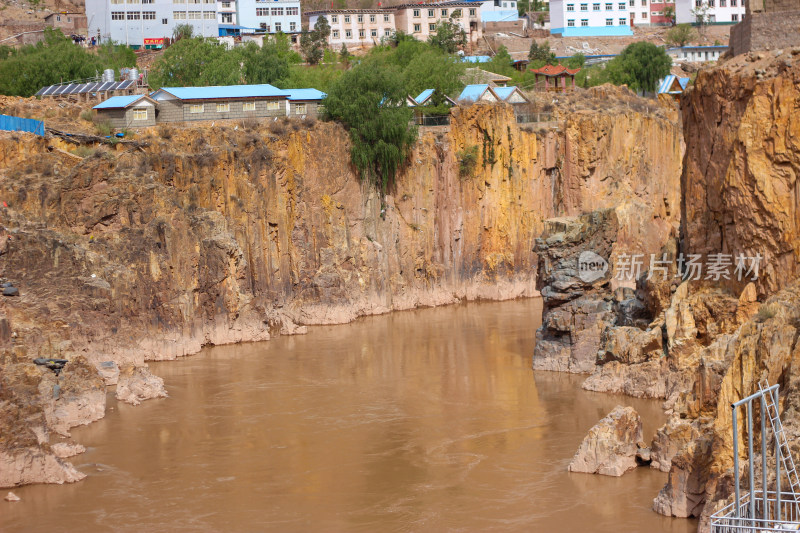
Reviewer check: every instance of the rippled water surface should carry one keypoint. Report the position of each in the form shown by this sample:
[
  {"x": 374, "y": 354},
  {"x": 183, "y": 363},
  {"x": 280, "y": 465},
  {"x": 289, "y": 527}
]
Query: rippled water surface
[{"x": 428, "y": 420}]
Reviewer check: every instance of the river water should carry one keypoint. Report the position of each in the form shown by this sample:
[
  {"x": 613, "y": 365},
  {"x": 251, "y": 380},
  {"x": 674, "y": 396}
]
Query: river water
[{"x": 427, "y": 420}]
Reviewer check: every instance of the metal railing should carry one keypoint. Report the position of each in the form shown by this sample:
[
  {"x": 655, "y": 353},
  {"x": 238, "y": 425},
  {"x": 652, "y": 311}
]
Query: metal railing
[
  {"x": 432, "y": 120},
  {"x": 780, "y": 514},
  {"x": 524, "y": 118}
]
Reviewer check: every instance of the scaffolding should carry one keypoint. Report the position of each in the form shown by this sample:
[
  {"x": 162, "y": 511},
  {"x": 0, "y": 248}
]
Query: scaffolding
[{"x": 761, "y": 510}]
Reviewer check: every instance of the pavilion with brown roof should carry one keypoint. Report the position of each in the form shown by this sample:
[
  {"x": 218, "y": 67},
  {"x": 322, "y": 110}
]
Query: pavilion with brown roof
[{"x": 555, "y": 77}]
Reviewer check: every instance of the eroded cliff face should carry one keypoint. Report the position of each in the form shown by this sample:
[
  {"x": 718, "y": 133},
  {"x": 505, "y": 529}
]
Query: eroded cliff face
[
  {"x": 212, "y": 235},
  {"x": 740, "y": 195}
]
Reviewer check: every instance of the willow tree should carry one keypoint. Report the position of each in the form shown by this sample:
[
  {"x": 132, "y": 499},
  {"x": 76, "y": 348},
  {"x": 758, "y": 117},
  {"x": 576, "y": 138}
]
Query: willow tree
[
  {"x": 369, "y": 100},
  {"x": 640, "y": 66}
]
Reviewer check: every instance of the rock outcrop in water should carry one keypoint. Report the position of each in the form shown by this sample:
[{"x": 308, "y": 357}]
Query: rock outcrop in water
[
  {"x": 235, "y": 233},
  {"x": 611, "y": 446}
]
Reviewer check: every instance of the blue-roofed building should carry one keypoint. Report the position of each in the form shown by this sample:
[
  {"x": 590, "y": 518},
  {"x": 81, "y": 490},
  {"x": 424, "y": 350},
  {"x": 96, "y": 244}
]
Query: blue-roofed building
[
  {"x": 130, "y": 111},
  {"x": 511, "y": 95},
  {"x": 672, "y": 85},
  {"x": 304, "y": 102},
  {"x": 186, "y": 104},
  {"x": 696, "y": 54},
  {"x": 477, "y": 93},
  {"x": 179, "y": 104},
  {"x": 475, "y": 59}
]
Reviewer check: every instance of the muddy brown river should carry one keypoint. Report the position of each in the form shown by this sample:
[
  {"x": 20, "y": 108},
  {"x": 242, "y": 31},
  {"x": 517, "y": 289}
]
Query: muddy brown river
[{"x": 428, "y": 420}]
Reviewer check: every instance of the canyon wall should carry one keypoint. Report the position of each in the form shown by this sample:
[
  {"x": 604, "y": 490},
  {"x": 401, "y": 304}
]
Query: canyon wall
[
  {"x": 234, "y": 232},
  {"x": 740, "y": 195}
]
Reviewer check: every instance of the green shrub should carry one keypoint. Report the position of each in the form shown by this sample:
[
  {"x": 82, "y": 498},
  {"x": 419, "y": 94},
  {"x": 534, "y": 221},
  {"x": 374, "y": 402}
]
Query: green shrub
[
  {"x": 87, "y": 115},
  {"x": 103, "y": 128},
  {"x": 467, "y": 161}
]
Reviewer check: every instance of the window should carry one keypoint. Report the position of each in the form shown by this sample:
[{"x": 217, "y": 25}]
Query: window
[
  {"x": 164, "y": 21},
  {"x": 505, "y": 4},
  {"x": 347, "y": 19},
  {"x": 723, "y": 3},
  {"x": 134, "y": 15},
  {"x": 179, "y": 15},
  {"x": 117, "y": 1},
  {"x": 292, "y": 26},
  {"x": 196, "y": 108},
  {"x": 431, "y": 13},
  {"x": 631, "y": 3},
  {"x": 277, "y": 27},
  {"x": 595, "y": 7},
  {"x": 374, "y": 33},
  {"x": 710, "y": 3},
  {"x": 387, "y": 32},
  {"x": 175, "y": 1},
  {"x": 210, "y": 15},
  {"x": 570, "y": 23},
  {"x": 334, "y": 18},
  {"x": 609, "y": 22},
  {"x": 335, "y": 34},
  {"x": 117, "y": 15},
  {"x": 609, "y": 7},
  {"x": 416, "y": 13},
  {"x": 273, "y": 105},
  {"x": 386, "y": 18},
  {"x": 262, "y": 11},
  {"x": 223, "y": 108},
  {"x": 584, "y": 7},
  {"x": 697, "y": 3},
  {"x": 623, "y": 22},
  {"x": 227, "y": 18},
  {"x": 360, "y": 34},
  {"x": 570, "y": 7},
  {"x": 472, "y": 12},
  {"x": 133, "y": 1},
  {"x": 733, "y": 3},
  {"x": 195, "y": 15},
  {"x": 360, "y": 19},
  {"x": 300, "y": 109},
  {"x": 431, "y": 27},
  {"x": 584, "y": 22},
  {"x": 444, "y": 12},
  {"x": 621, "y": 6},
  {"x": 148, "y": 15},
  {"x": 644, "y": 3},
  {"x": 372, "y": 19},
  {"x": 249, "y": 106},
  {"x": 417, "y": 28},
  {"x": 277, "y": 11},
  {"x": 139, "y": 114},
  {"x": 58, "y": 18},
  {"x": 226, "y": 5},
  {"x": 348, "y": 34},
  {"x": 263, "y": 26},
  {"x": 735, "y": 18},
  {"x": 644, "y": 15}
]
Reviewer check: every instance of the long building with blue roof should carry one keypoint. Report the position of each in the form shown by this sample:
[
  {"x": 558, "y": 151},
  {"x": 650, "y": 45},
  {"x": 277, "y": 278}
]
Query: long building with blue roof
[{"x": 188, "y": 104}]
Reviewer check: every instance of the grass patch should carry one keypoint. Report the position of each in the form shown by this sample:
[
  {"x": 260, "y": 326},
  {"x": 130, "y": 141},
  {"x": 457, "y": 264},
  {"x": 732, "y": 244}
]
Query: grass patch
[
  {"x": 767, "y": 311},
  {"x": 87, "y": 115}
]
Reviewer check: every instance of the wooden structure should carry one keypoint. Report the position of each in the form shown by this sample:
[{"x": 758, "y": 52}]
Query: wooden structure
[{"x": 557, "y": 78}]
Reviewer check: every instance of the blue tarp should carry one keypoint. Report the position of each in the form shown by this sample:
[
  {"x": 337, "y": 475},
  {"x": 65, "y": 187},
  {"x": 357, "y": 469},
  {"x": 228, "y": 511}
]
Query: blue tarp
[{"x": 9, "y": 123}]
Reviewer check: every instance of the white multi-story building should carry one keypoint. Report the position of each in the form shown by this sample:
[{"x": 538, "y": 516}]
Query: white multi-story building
[
  {"x": 146, "y": 22},
  {"x": 273, "y": 16},
  {"x": 226, "y": 12},
  {"x": 356, "y": 26},
  {"x": 716, "y": 11},
  {"x": 589, "y": 18}
]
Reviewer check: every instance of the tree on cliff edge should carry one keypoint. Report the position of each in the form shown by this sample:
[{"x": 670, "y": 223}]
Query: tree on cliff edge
[
  {"x": 640, "y": 65},
  {"x": 369, "y": 100}
]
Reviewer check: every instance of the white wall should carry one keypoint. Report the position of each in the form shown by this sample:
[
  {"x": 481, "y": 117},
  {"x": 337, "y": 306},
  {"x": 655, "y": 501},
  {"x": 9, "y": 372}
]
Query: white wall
[{"x": 162, "y": 15}]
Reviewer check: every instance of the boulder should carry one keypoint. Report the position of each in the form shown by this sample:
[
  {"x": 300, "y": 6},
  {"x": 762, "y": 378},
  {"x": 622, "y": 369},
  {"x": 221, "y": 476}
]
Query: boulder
[
  {"x": 610, "y": 448},
  {"x": 136, "y": 384}
]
